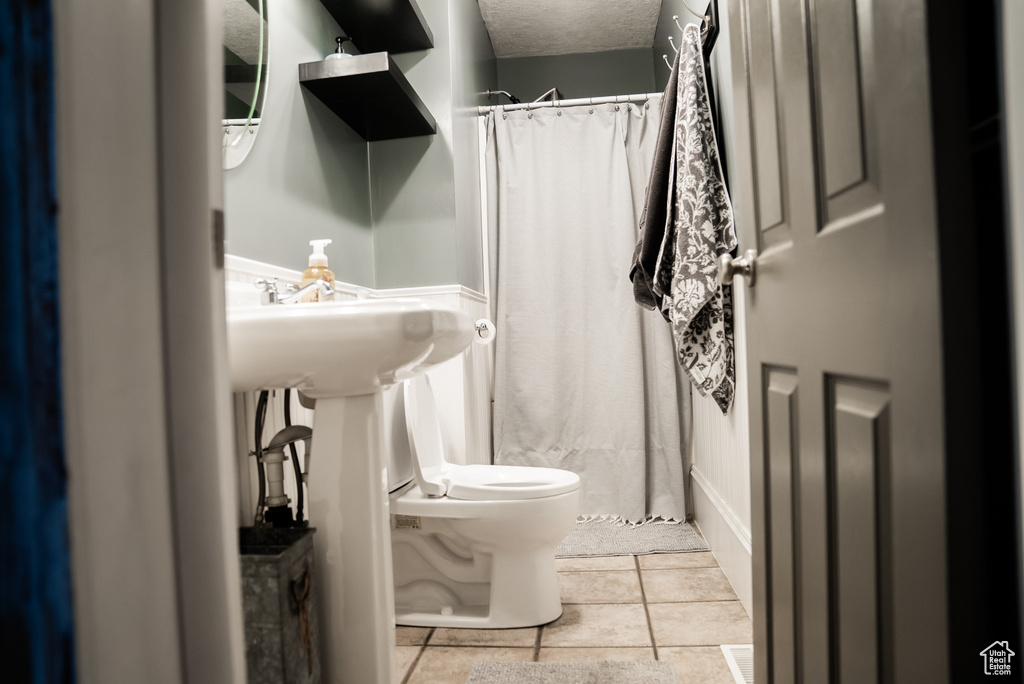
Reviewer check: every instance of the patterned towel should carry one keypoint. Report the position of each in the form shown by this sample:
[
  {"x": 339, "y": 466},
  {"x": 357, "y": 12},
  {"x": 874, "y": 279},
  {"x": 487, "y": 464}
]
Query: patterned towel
[{"x": 698, "y": 229}]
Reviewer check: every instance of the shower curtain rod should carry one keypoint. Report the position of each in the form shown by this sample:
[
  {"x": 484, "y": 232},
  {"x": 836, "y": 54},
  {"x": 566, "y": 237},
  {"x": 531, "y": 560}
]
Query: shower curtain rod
[{"x": 639, "y": 97}]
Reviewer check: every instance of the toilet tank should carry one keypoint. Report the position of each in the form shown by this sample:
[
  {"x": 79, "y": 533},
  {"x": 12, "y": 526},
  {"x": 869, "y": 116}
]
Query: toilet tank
[{"x": 399, "y": 458}]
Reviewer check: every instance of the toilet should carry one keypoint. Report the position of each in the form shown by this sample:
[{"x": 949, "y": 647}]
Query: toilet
[{"x": 473, "y": 545}]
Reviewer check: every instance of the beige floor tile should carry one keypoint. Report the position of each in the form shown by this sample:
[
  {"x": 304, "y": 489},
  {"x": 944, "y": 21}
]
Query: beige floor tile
[
  {"x": 700, "y": 624},
  {"x": 526, "y": 637},
  {"x": 697, "y": 559},
  {"x": 585, "y": 654},
  {"x": 411, "y": 636},
  {"x": 698, "y": 664},
  {"x": 404, "y": 657},
  {"x": 687, "y": 584},
  {"x": 451, "y": 664},
  {"x": 598, "y": 625},
  {"x": 600, "y": 586},
  {"x": 595, "y": 563}
]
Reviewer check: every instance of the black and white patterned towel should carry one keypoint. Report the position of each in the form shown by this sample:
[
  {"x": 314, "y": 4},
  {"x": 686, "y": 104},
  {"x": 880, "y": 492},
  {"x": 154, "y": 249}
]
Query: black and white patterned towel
[{"x": 699, "y": 309}]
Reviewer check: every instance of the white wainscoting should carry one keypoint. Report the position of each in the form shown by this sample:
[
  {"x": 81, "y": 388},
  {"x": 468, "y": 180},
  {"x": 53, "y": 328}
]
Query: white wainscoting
[
  {"x": 721, "y": 472},
  {"x": 461, "y": 385}
]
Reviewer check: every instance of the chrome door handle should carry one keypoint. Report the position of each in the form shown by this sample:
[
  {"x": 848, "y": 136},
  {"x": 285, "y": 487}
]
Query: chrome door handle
[{"x": 745, "y": 266}]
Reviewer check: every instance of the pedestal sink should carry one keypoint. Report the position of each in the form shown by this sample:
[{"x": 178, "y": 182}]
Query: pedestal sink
[{"x": 344, "y": 354}]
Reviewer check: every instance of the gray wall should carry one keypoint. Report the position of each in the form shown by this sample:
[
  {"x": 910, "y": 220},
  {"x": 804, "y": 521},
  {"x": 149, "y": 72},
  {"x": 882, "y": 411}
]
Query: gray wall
[
  {"x": 592, "y": 74},
  {"x": 307, "y": 176},
  {"x": 474, "y": 71},
  {"x": 425, "y": 223}
]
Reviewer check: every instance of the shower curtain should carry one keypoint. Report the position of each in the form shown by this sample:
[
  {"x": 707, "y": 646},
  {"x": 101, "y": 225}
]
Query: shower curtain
[{"x": 584, "y": 379}]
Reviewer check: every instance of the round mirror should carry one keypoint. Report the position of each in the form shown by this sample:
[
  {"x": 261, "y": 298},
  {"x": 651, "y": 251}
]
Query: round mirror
[{"x": 245, "y": 76}]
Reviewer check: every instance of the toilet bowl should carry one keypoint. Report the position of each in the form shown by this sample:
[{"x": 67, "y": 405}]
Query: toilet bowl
[{"x": 473, "y": 545}]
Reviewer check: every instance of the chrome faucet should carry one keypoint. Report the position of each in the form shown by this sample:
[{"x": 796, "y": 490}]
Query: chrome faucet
[{"x": 270, "y": 294}]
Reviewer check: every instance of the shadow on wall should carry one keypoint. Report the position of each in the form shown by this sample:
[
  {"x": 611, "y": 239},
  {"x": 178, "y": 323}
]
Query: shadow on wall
[
  {"x": 331, "y": 159},
  {"x": 392, "y": 163}
]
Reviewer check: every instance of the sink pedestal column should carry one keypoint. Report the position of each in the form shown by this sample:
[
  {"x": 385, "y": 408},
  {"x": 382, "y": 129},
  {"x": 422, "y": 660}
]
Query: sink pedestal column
[{"x": 348, "y": 504}]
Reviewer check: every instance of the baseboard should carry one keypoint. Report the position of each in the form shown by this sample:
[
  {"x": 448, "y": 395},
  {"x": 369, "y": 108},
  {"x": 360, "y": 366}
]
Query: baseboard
[{"x": 725, "y": 533}]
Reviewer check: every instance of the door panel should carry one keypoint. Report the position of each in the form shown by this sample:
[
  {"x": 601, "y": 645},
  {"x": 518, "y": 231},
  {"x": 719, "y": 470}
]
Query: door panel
[
  {"x": 781, "y": 467},
  {"x": 858, "y": 483},
  {"x": 847, "y": 484},
  {"x": 767, "y": 131},
  {"x": 843, "y": 79},
  {"x": 837, "y": 71}
]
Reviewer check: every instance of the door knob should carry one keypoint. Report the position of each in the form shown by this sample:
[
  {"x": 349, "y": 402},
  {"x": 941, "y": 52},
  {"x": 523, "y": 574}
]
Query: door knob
[{"x": 745, "y": 266}]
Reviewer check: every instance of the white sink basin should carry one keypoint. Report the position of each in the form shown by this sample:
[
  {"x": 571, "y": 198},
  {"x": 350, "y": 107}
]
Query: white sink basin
[{"x": 341, "y": 349}]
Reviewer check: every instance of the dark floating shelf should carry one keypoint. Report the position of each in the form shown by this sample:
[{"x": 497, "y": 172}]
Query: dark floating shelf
[
  {"x": 382, "y": 26},
  {"x": 370, "y": 94}
]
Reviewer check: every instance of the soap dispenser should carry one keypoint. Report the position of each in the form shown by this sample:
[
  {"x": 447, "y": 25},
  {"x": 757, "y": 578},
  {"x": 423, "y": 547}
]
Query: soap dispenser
[
  {"x": 317, "y": 270},
  {"x": 339, "y": 52}
]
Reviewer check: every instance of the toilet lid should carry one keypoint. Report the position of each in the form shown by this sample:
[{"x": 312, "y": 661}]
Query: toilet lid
[
  {"x": 436, "y": 477},
  {"x": 424, "y": 431}
]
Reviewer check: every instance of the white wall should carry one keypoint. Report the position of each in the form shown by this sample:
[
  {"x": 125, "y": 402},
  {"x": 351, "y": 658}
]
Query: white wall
[{"x": 721, "y": 472}]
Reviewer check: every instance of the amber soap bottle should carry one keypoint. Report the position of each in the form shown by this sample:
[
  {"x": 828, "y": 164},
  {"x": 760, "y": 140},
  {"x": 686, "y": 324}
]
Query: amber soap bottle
[{"x": 317, "y": 270}]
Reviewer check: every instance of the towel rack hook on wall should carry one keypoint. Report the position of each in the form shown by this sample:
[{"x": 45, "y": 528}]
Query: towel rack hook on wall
[{"x": 709, "y": 24}]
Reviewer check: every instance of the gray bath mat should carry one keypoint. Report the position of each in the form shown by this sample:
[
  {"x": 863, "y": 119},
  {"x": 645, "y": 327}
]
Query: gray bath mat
[
  {"x": 590, "y": 672},
  {"x": 614, "y": 538}
]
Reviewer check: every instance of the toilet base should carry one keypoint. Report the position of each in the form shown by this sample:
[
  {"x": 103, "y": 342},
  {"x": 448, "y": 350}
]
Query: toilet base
[
  {"x": 477, "y": 565},
  {"x": 523, "y": 592},
  {"x": 467, "y": 617}
]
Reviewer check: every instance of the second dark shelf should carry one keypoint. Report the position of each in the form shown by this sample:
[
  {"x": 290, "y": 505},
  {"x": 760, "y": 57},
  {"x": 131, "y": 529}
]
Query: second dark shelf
[{"x": 377, "y": 26}]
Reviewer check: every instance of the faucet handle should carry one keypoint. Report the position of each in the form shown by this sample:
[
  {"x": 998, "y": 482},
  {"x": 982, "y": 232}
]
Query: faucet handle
[
  {"x": 266, "y": 284},
  {"x": 268, "y": 290}
]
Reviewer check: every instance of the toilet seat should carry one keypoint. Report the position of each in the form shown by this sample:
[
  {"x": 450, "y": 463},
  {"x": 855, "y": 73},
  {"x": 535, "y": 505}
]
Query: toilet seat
[
  {"x": 502, "y": 483},
  {"x": 436, "y": 477}
]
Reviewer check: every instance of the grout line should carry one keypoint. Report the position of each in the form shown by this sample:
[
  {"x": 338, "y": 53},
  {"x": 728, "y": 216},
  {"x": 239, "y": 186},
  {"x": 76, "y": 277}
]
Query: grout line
[
  {"x": 732, "y": 600},
  {"x": 416, "y": 660},
  {"x": 536, "y": 646},
  {"x": 647, "y": 612}
]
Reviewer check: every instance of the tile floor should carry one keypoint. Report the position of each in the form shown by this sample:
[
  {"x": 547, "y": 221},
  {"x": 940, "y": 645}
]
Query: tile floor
[{"x": 675, "y": 607}]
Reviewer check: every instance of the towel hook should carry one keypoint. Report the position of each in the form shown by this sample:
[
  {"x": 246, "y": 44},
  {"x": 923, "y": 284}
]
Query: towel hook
[
  {"x": 705, "y": 20},
  {"x": 667, "y": 63},
  {"x": 672, "y": 44}
]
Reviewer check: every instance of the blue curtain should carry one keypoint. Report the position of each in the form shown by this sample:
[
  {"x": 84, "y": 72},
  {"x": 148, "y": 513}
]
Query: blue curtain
[{"x": 36, "y": 630}]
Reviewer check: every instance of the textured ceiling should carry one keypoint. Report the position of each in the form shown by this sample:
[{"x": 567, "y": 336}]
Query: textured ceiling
[{"x": 526, "y": 28}]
